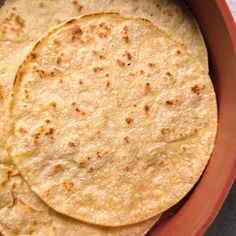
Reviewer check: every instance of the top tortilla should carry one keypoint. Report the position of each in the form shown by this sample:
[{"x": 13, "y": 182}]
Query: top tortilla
[
  {"x": 113, "y": 121},
  {"x": 21, "y": 211}
]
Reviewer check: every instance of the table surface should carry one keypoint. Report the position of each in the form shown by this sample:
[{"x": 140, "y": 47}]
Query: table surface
[{"x": 225, "y": 222}]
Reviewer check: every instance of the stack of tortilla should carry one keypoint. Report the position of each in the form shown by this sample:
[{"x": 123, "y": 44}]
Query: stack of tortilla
[{"x": 108, "y": 114}]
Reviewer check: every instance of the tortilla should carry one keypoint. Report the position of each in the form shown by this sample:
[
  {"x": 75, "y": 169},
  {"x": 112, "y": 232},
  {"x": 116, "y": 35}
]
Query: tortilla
[
  {"x": 26, "y": 214},
  {"x": 112, "y": 121}
]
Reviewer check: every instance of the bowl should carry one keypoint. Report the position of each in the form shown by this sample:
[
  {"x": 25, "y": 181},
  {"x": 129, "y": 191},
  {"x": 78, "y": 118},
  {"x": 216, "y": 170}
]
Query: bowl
[{"x": 195, "y": 214}]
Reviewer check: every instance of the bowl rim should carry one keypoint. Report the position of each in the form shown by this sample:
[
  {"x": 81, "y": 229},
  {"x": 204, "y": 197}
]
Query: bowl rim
[{"x": 231, "y": 28}]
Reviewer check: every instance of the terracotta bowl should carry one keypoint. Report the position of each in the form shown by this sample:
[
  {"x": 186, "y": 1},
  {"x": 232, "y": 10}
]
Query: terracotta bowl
[{"x": 195, "y": 214}]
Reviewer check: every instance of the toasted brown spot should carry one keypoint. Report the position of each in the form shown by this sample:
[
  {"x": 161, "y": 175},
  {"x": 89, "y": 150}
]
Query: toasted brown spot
[
  {"x": 178, "y": 52},
  {"x": 120, "y": 63},
  {"x": 41, "y": 5},
  {"x": 33, "y": 55},
  {"x": 71, "y": 144},
  {"x": 161, "y": 163},
  {"x": 168, "y": 76},
  {"x": 126, "y": 139},
  {"x": 77, "y": 6},
  {"x": 77, "y": 109},
  {"x": 129, "y": 120},
  {"x": 167, "y": 130},
  {"x": 108, "y": 84},
  {"x": 107, "y": 75},
  {"x": 151, "y": 65},
  {"x": 127, "y": 168},
  {"x": 173, "y": 102},
  {"x": 49, "y": 132},
  {"x": 58, "y": 60},
  {"x": 97, "y": 69},
  {"x": 142, "y": 72},
  {"x": 132, "y": 74},
  {"x": 57, "y": 167},
  {"x": 126, "y": 38},
  {"x": 73, "y": 103},
  {"x": 61, "y": 81},
  {"x": 40, "y": 72},
  {"x": 102, "y": 35},
  {"x": 80, "y": 81},
  {"x": 197, "y": 88},
  {"x": 76, "y": 33},
  {"x": 126, "y": 29},
  {"x": 20, "y": 21},
  {"x": 147, "y": 87},
  {"x": 98, "y": 154},
  {"x": 54, "y": 72},
  {"x": 96, "y": 53},
  {"x": 47, "y": 121},
  {"x": 22, "y": 131},
  {"x": 102, "y": 57},
  {"x": 128, "y": 55},
  {"x": 68, "y": 186},
  {"x": 13, "y": 185},
  {"x": 84, "y": 161},
  {"x": 42, "y": 128},
  {"x": 53, "y": 104},
  {"x": 36, "y": 138},
  {"x": 104, "y": 26},
  {"x": 146, "y": 109},
  {"x": 57, "y": 42},
  {"x": 44, "y": 74}
]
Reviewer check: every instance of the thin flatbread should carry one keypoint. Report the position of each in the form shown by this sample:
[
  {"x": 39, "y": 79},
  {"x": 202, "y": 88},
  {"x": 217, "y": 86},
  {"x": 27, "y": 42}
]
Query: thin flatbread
[
  {"x": 113, "y": 121},
  {"x": 21, "y": 211}
]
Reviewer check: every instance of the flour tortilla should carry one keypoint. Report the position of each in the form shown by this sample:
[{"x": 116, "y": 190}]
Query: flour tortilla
[
  {"x": 23, "y": 213},
  {"x": 113, "y": 121}
]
